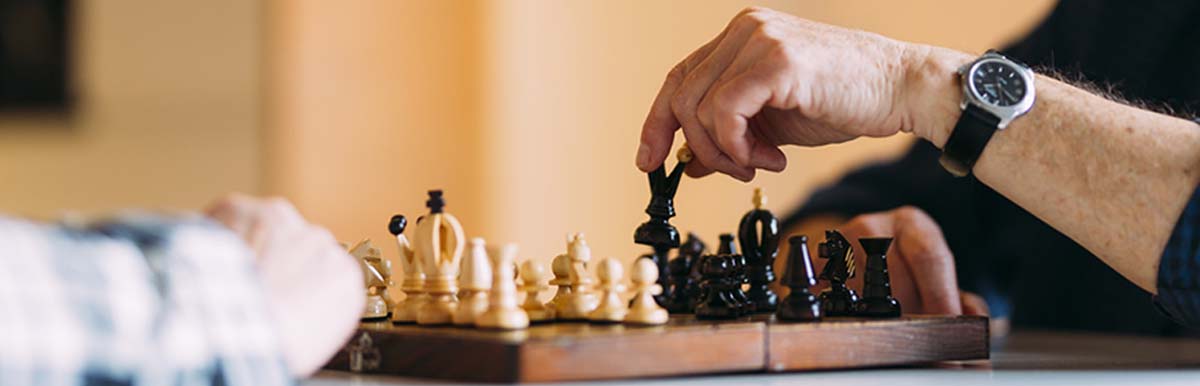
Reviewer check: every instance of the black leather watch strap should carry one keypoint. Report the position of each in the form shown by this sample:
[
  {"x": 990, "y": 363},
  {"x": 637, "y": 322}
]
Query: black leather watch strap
[{"x": 971, "y": 134}]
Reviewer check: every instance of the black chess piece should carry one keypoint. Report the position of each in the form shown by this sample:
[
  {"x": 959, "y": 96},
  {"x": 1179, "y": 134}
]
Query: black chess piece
[
  {"x": 737, "y": 275},
  {"x": 716, "y": 303},
  {"x": 684, "y": 276},
  {"x": 800, "y": 304},
  {"x": 837, "y": 300},
  {"x": 877, "y": 300},
  {"x": 758, "y": 235},
  {"x": 657, "y": 232}
]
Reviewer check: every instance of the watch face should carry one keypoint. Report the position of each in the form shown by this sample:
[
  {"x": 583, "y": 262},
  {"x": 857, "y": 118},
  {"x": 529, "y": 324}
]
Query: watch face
[{"x": 998, "y": 83}]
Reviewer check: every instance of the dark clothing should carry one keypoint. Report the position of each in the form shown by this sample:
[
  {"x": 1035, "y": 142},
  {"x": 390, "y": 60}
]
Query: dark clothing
[{"x": 1147, "y": 51}]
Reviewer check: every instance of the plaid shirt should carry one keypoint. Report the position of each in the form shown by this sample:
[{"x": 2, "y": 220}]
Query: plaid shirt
[
  {"x": 1179, "y": 270},
  {"x": 142, "y": 300}
]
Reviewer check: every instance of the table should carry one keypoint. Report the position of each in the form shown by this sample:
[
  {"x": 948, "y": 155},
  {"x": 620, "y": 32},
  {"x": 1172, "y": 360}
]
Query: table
[{"x": 1022, "y": 358}]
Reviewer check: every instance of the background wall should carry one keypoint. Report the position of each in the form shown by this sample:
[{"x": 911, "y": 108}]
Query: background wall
[
  {"x": 528, "y": 112},
  {"x": 168, "y": 113}
]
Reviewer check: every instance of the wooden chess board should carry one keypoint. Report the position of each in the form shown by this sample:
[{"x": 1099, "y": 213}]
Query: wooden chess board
[{"x": 685, "y": 346}]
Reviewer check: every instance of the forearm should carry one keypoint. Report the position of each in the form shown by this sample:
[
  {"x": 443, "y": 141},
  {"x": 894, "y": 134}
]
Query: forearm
[{"x": 1112, "y": 177}]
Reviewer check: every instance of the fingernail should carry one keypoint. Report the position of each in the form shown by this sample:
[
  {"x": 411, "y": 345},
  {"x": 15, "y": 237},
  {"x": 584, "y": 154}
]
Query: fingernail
[{"x": 643, "y": 156}]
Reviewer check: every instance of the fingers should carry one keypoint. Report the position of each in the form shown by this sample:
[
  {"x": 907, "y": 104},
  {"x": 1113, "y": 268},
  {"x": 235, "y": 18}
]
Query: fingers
[
  {"x": 973, "y": 304},
  {"x": 658, "y": 131},
  {"x": 928, "y": 258},
  {"x": 730, "y": 107}
]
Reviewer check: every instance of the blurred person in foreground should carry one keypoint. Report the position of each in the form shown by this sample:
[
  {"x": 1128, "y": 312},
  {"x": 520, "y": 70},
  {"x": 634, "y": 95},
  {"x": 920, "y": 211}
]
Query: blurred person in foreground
[{"x": 1078, "y": 210}]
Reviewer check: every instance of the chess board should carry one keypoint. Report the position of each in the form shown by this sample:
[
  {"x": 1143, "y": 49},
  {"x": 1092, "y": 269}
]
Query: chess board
[{"x": 684, "y": 346}]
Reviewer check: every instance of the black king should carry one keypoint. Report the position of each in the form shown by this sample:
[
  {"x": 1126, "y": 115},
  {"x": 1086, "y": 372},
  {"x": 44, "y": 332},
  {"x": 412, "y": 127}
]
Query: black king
[{"x": 658, "y": 232}]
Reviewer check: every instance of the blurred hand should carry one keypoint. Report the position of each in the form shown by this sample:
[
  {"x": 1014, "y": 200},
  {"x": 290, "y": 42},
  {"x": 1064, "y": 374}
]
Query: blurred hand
[
  {"x": 919, "y": 262},
  {"x": 772, "y": 79},
  {"x": 314, "y": 288}
]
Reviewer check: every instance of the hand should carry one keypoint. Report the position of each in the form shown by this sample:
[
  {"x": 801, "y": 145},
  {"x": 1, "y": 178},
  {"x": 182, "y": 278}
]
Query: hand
[
  {"x": 314, "y": 287},
  {"x": 920, "y": 264},
  {"x": 772, "y": 79}
]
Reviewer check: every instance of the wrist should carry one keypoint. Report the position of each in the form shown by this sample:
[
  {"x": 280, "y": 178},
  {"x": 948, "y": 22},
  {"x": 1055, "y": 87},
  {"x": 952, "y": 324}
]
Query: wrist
[{"x": 932, "y": 93}]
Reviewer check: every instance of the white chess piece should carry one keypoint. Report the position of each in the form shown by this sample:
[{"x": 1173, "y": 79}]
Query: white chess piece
[
  {"x": 644, "y": 309},
  {"x": 611, "y": 308},
  {"x": 377, "y": 276},
  {"x": 582, "y": 299},
  {"x": 561, "y": 267},
  {"x": 474, "y": 282},
  {"x": 413, "y": 284},
  {"x": 502, "y": 311},
  {"x": 440, "y": 245},
  {"x": 532, "y": 274}
]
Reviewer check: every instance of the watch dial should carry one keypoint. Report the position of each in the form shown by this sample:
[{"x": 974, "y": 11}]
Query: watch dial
[{"x": 998, "y": 84}]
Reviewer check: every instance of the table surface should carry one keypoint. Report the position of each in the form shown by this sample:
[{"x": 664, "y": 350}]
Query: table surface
[{"x": 1022, "y": 358}]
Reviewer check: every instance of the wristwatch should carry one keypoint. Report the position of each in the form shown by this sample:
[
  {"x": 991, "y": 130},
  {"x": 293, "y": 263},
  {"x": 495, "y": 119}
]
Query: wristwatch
[{"x": 996, "y": 90}]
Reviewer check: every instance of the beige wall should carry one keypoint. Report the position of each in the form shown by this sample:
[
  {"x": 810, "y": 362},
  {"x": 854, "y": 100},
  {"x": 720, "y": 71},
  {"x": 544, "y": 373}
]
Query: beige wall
[
  {"x": 168, "y": 114},
  {"x": 528, "y": 112}
]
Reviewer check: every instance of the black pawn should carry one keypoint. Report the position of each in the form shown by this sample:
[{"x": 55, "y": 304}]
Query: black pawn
[
  {"x": 684, "y": 279},
  {"x": 737, "y": 275},
  {"x": 800, "y": 304},
  {"x": 758, "y": 235},
  {"x": 877, "y": 298},
  {"x": 716, "y": 303},
  {"x": 838, "y": 299}
]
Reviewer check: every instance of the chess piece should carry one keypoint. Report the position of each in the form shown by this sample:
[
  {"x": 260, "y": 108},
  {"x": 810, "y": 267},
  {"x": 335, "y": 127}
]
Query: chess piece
[
  {"x": 758, "y": 234},
  {"x": 610, "y": 309},
  {"x": 658, "y": 233},
  {"x": 474, "y": 283},
  {"x": 877, "y": 300},
  {"x": 800, "y": 304},
  {"x": 503, "y": 311},
  {"x": 440, "y": 244},
  {"x": 684, "y": 277},
  {"x": 582, "y": 299},
  {"x": 837, "y": 300},
  {"x": 377, "y": 276},
  {"x": 737, "y": 274},
  {"x": 413, "y": 285},
  {"x": 561, "y": 267},
  {"x": 532, "y": 274},
  {"x": 644, "y": 309},
  {"x": 717, "y": 302}
]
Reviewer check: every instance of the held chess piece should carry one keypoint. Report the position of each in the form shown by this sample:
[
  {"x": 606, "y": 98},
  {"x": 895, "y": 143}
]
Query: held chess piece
[
  {"x": 758, "y": 235},
  {"x": 877, "y": 300},
  {"x": 644, "y": 309},
  {"x": 532, "y": 274},
  {"x": 837, "y": 300},
  {"x": 474, "y": 282},
  {"x": 414, "y": 279},
  {"x": 800, "y": 304},
  {"x": 561, "y": 267},
  {"x": 685, "y": 278},
  {"x": 377, "y": 276},
  {"x": 737, "y": 275},
  {"x": 611, "y": 309},
  {"x": 503, "y": 311},
  {"x": 582, "y": 299},
  {"x": 440, "y": 244},
  {"x": 717, "y": 302},
  {"x": 658, "y": 233}
]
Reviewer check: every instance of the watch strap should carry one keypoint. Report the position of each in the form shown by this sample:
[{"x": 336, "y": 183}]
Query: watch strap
[{"x": 971, "y": 134}]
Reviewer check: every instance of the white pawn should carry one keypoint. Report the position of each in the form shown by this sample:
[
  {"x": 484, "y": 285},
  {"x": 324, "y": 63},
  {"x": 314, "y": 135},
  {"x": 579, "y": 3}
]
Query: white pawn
[
  {"x": 611, "y": 307},
  {"x": 532, "y": 274},
  {"x": 503, "y": 311},
  {"x": 582, "y": 300},
  {"x": 644, "y": 309},
  {"x": 561, "y": 266},
  {"x": 474, "y": 282}
]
